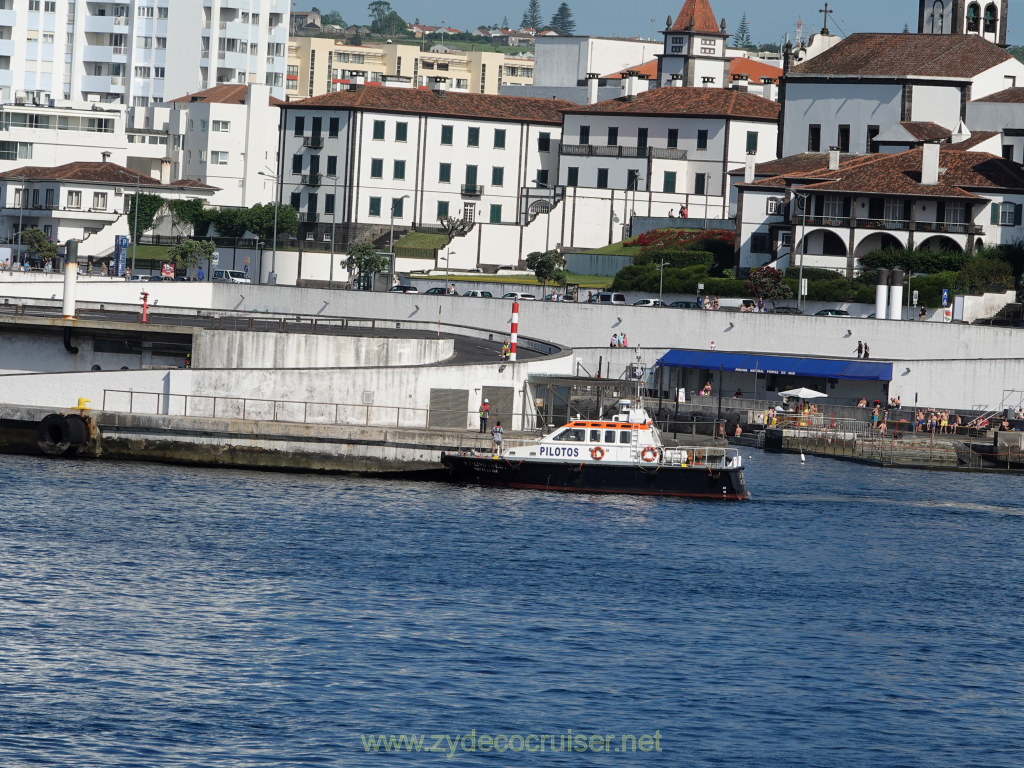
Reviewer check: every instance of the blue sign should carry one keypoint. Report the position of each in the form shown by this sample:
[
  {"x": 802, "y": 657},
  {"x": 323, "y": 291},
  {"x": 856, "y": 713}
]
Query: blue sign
[
  {"x": 945, "y": 297},
  {"x": 120, "y": 254}
]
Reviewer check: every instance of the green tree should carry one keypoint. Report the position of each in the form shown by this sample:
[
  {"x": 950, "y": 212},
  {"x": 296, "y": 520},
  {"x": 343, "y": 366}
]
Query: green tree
[
  {"x": 562, "y": 21},
  {"x": 38, "y": 244},
  {"x": 741, "y": 38},
  {"x": 261, "y": 221},
  {"x": 189, "y": 253},
  {"x": 1017, "y": 51},
  {"x": 363, "y": 259},
  {"x": 766, "y": 283},
  {"x": 548, "y": 266},
  {"x": 384, "y": 20},
  {"x": 149, "y": 206},
  {"x": 504, "y": 23},
  {"x": 194, "y": 213},
  {"x": 232, "y": 222},
  {"x": 532, "y": 18},
  {"x": 378, "y": 10},
  {"x": 333, "y": 17}
]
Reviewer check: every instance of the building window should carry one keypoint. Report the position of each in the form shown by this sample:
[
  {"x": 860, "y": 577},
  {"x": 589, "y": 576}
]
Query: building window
[
  {"x": 375, "y": 206},
  {"x": 300, "y": 125},
  {"x": 219, "y": 158},
  {"x": 544, "y": 142},
  {"x": 1008, "y": 214},
  {"x": 399, "y": 170},
  {"x": 814, "y": 138},
  {"x": 473, "y": 139},
  {"x": 334, "y": 124},
  {"x": 584, "y": 134},
  {"x": 378, "y": 130},
  {"x": 99, "y": 201},
  {"x": 872, "y": 145},
  {"x": 495, "y": 214},
  {"x": 843, "y": 138},
  {"x": 542, "y": 177},
  {"x": 700, "y": 184},
  {"x": 572, "y": 176},
  {"x": 447, "y": 135},
  {"x": 702, "y": 139},
  {"x": 296, "y": 200},
  {"x": 377, "y": 168},
  {"x": 673, "y": 138},
  {"x": 835, "y": 206},
  {"x": 329, "y": 204},
  {"x": 332, "y": 165},
  {"x": 498, "y": 177},
  {"x": 613, "y": 136},
  {"x": 669, "y": 185},
  {"x": 74, "y": 200},
  {"x": 499, "y": 138},
  {"x": 221, "y": 126},
  {"x": 471, "y": 175},
  {"x": 751, "y": 141},
  {"x": 296, "y": 163},
  {"x": 602, "y": 178},
  {"x": 442, "y": 209},
  {"x": 774, "y": 207},
  {"x": 632, "y": 179},
  {"x": 401, "y": 131},
  {"x": 760, "y": 243},
  {"x": 397, "y": 207},
  {"x": 444, "y": 173}
]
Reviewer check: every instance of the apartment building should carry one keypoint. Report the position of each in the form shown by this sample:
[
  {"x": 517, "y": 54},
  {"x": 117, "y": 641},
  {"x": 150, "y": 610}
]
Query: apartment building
[
  {"x": 117, "y": 52},
  {"x": 370, "y": 156},
  {"x": 318, "y": 65}
]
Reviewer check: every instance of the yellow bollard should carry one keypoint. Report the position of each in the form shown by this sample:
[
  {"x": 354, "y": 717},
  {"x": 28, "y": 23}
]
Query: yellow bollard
[{"x": 83, "y": 403}]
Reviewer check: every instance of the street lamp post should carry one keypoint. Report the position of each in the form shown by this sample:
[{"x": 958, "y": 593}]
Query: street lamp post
[
  {"x": 272, "y": 277},
  {"x": 447, "y": 260},
  {"x": 551, "y": 204},
  {"x": 21, "y": 211},
  {"x": 661, "y": 281},
  {"x": 391, "y": 238},
  {"x": 334, "y": 229},
  {"x": 135, "y": 226},
  {"x": 803, "y": 198}
]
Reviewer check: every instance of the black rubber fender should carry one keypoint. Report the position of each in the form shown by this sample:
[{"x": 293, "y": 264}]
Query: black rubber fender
[{"x": 54, "y": 435}]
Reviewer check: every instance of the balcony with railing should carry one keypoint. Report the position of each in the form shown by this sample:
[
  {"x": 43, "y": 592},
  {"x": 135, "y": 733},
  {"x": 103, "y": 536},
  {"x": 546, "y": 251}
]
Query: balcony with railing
[
  {"x": 592, "y": 150},
  {"x": 309, "y": 218},
  {"x": 472, "y": 190},
  {"x": 947, "y": 227},
  {"x": 313, "y": 142},
  {"x": 828, "y": 221},
  {"x": 895, "y": 225},
  {"x": 312, "y": 179}
]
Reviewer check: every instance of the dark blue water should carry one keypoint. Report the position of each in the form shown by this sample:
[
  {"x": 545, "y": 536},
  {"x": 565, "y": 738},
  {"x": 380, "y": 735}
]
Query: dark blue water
[{"x": 154, "y": 616}]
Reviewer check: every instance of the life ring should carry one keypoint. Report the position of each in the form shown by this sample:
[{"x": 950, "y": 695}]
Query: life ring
[
  {"x": 597, "y": 453},
  {"x": 649, "y": 453}
]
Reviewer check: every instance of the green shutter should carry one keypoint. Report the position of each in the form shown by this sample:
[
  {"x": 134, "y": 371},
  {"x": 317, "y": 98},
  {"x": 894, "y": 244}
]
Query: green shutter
[
  {"x": 495, "y": 214},
  {"x": 1017, "y": 210},
  {"x": 995, "y": 213},
  {"x": 670, "y": 182}
]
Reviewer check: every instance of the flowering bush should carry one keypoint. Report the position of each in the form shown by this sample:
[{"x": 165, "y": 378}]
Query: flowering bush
[{"x": 682, "y": 239}]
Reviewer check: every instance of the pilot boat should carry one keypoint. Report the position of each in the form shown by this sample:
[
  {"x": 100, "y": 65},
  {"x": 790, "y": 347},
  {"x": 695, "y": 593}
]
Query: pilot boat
[{"x": 624, "y": 454}]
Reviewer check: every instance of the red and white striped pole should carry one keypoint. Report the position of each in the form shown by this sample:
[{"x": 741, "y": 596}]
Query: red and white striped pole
[{"x": 515, "y": 330}]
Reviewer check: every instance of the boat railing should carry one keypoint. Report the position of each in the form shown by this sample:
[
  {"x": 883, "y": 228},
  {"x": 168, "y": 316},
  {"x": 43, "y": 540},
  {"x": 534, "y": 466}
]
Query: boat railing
[{"x": 701, "y": 456}]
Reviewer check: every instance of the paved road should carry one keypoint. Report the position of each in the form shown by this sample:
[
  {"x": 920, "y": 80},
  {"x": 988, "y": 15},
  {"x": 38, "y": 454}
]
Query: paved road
[{"x": 467, "y": 349}]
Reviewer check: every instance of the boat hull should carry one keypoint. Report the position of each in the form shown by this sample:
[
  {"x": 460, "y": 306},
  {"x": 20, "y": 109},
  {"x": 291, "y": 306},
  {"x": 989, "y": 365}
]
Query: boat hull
[{"x": 698, "y": 482}]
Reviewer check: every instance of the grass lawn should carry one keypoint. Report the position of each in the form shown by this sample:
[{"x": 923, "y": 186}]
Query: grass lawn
[{"x": 424, "y": 240}]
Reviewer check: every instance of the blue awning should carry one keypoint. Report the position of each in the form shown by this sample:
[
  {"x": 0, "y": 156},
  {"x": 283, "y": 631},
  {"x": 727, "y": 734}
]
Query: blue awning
[{"x": 822, "y": 368}]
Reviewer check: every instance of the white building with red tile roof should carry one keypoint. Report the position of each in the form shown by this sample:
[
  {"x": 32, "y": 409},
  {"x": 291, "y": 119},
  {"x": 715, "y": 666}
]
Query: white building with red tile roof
[{"x": 695, "y": 49}]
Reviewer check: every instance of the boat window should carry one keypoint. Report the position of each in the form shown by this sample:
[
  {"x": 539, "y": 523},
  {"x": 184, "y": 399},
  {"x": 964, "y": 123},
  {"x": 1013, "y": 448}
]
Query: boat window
[
  {"x": 624, "y": 437},
  {"x": 609, "y": 436},
  {"x": 573, "y": 435},
  {"x": 595, "y": 435}
]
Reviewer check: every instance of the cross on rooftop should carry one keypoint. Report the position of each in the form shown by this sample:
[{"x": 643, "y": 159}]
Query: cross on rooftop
[{"x": 826, "y": 11}]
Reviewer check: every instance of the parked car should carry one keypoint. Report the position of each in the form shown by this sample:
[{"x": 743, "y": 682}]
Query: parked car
[
  {"x": 520, "y": 296},
  {"x": 435, "y": 291},
  {"x": 478, "y": 294},
  {"x": 607, "y": 297},
  {"x": 784, "y": 311},
  {"x": 403, "y": 289},
  {"x": 230, "y": 276},
  {"x": 685, "y": 305},
  {"x": 832, "y": 313},
  {"x": 649, "y": 303}
]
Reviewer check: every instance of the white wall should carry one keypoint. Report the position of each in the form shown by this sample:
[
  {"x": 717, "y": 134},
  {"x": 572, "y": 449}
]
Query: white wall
[
  {"x": 564, "y": 61},
  {"x": 936, "y": 104},
  {"x": 830, "y": 106}
]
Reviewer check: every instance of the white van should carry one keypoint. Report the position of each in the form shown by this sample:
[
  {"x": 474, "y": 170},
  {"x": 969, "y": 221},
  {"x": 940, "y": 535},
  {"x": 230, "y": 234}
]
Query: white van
[
  {"x": 607, "y": 298},
  {"x": 230, "y": 276},
  {"x": 520, "y": 296}
]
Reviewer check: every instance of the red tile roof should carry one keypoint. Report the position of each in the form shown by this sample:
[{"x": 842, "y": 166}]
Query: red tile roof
[
  {"x": 794, "y": 166},
  {"x": 221, "y": 94},
  {"x": 1009, "y": 96},
  {"x": 696, "y": 16},
  {"x": 450, "y": 104},
  {"x": 705, "y": 102},
  {"x": 903, "y": 55},
  {"x": 96, "y": 172},
  {"x": 926, "y": 131},
  {"x": 649, "y": 68},
  {"x": 977, "y": 137},
  {"x": 754, "y": 70},
  {"x": 962, "y": 173}
]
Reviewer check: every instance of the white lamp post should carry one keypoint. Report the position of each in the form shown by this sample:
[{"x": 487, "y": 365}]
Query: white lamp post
[
  {"x": 334, "y": 228},
  {"x": 277, "y": 204},
  {"x": 391, "y": 238},
  {"x": 803, "y": 197},
  {"x": 551, "y": 204}
]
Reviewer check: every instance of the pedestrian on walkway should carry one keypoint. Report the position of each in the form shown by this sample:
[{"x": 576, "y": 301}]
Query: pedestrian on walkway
[
  {"x": 485, "y": 413},
  {"x": 867, "y": 351},
  {"x": 860, "y": 349},
  {"x": 497, "y": 435}
]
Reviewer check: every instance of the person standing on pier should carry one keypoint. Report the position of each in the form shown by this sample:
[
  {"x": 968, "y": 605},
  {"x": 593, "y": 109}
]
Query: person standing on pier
[
  {"x": 497, "y": 435},
  {"x": 485, "y": 413}
]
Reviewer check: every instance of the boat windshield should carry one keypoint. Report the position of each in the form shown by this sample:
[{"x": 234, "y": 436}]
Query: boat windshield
[{"x": 571, "y": 435}]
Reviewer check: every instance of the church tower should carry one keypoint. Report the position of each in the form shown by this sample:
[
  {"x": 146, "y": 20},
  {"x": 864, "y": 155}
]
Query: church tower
[
  {"x": 694, "y": 54},
  {"x": 986, "y": 18}
]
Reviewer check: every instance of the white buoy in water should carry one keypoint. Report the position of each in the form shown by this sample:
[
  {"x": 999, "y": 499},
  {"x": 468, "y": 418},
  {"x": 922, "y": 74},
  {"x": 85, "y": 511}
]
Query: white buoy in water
[{"x": 802, "y": 457}]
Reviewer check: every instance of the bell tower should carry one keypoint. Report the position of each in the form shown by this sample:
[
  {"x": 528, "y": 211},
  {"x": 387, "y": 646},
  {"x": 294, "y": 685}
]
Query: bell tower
[
  {"x": 985, "y": 18},
  {"x": 695, "y": 49}
]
